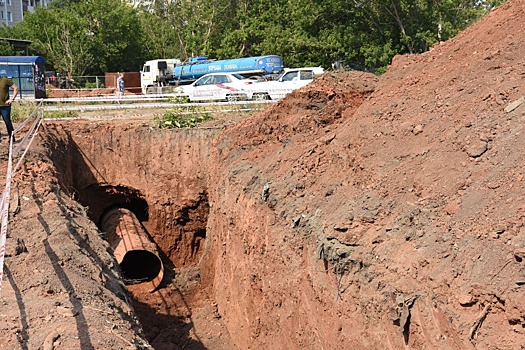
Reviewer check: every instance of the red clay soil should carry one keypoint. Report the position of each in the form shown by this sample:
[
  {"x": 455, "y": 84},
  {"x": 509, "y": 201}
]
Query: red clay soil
[
  {"x": 53, "y": 92},
  {"x": 359, "y": 212},
  {"x": 395, "y": 222}
]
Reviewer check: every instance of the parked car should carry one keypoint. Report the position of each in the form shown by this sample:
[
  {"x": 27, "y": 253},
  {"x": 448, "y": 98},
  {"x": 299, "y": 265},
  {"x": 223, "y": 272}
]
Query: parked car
[
  {"x": 290, "y": 80},
  {"x": 217, "y": 87}
]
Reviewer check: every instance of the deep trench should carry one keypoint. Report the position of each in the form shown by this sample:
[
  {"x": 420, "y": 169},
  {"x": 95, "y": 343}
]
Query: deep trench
[{"x": 177, "y": 229}]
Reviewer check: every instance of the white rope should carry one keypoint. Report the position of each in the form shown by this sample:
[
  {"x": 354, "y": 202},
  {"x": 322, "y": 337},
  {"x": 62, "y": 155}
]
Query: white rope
[
  {"x": 5, "y": 212},
  {"x": 6, "y": 195},
  {"x": 39, "y": 120},
  {"x": 38, "y": 107}
]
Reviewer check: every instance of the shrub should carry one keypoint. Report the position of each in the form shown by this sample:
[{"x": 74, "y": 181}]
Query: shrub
[
  {"x": 22, "y": 109},
  {"x": 181, "y": 119},
  {"x": 93, "y": 85}
]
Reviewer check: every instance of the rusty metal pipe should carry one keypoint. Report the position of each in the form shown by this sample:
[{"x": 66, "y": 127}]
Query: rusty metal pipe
[{"x": 135, "y": 252}]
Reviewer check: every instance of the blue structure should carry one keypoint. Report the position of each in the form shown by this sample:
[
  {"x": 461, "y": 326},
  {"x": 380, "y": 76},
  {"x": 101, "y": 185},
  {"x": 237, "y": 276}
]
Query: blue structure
[
  {"x": 27, "y": 72},
  {"x": 199, "y": 66}
]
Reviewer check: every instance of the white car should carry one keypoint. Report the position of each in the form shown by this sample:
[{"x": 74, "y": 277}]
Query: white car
[
  {"x": 290, "y": 80},
  {"x": 217, "y": 87}
]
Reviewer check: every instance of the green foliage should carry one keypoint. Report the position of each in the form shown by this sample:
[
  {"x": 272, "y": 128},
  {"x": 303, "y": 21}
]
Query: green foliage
[
  {"x": 60, "y": 36},
  {"x": 61, "y": 114},
  {"x": 93, "y": 85},
  {"x": 182, "y": 117},
  {"x": 115, "y": 34},
  {"x": 22, "y": 109},
  {"x": 97, "y": 36},
  {"x": 85, "y": 37},
  {"x": 160, "y": 41},
  {"x": 6, "y": 49}
]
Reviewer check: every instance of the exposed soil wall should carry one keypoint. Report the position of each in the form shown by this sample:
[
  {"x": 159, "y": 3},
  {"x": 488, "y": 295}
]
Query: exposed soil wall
[
  {"x": 395, "y": 224},
  {"x": 268, "y": 224},
  {"x": 61, "y": 285},
  {"x": 357, "y": 213},
  {"x": 161, "y": 176}
]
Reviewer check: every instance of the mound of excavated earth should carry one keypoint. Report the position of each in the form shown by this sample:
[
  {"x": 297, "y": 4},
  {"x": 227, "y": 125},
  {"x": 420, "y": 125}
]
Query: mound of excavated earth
[{"x": 359, "y": 212}]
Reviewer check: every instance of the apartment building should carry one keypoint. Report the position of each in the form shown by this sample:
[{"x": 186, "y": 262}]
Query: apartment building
[{"x": 12, "y": 11}]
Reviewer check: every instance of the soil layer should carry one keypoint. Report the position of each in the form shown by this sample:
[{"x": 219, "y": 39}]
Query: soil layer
[{"x": 359, "y": 212}]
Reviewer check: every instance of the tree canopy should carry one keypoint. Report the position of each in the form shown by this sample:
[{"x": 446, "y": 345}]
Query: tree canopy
[{"x": 95, "y": 36}]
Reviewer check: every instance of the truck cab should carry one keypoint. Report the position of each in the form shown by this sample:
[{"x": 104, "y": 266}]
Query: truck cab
[{"x": 157, "y": 73}]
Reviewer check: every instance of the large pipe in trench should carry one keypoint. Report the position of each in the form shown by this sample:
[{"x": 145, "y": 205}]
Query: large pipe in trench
[{"x": 136, "y": 254}]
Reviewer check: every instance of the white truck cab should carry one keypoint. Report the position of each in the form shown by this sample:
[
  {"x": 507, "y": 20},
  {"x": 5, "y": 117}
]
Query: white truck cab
[{"x": 156, "y": 73}]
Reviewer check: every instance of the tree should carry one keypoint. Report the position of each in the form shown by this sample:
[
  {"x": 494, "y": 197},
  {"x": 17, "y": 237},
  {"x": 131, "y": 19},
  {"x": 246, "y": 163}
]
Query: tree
[
  {"x": 95, "y": 36},
  {"x": 115, "y": 33},
  {"x": 89, "y": 37},
  {"x": 60, "y": 36},
  {"x": 160, "y": 36},
  {"x": 6, "y": 48}
]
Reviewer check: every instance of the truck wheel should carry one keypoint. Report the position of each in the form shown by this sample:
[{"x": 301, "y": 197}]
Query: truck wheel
[
  {"x": 151, "y": 90},
  {"x": 261, "y": 96}
]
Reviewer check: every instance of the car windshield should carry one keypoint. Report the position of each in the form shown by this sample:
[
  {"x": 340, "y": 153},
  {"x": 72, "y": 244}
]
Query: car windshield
[
  {"x": 238, "y": 76},
  {"x": 204, "y": 80},
  {"x": 289, "y": 76}
]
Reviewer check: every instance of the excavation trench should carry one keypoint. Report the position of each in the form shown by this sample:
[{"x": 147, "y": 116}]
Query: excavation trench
[{"x": 147, "y": 192}]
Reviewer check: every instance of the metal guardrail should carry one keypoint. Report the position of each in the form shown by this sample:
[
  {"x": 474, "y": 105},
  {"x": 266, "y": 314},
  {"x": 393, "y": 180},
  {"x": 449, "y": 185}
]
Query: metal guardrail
[{"x": 98, "y": 103}]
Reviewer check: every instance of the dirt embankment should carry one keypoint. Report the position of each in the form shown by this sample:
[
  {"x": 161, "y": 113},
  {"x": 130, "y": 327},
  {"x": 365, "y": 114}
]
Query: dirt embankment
[
  {"x": 397, "y": 223},
  {"x": 357, "y": 213}
]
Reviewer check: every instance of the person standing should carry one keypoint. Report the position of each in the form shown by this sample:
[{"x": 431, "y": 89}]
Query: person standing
[
  {"x": 6, "y": 101},
  {"x": 120, "y": 84}
]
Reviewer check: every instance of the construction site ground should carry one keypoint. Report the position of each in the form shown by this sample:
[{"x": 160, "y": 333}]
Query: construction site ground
[{"x": 359, "y": 212}]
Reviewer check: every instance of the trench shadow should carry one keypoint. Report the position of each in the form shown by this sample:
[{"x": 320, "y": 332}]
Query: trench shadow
[
  {"x": 96, "y": 196},
  {"x": 144, "y": 312},
  {"x": 80, "y": 319},
  {"x": 191, "y": 319},
  {"x": 168, "y": 332},
  {"x": 21, "y": 336}
]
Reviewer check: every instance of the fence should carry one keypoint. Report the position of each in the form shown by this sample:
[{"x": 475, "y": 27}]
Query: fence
[
  {"x": 94, "y": 82},
  {"x": 79, "y": 82}
]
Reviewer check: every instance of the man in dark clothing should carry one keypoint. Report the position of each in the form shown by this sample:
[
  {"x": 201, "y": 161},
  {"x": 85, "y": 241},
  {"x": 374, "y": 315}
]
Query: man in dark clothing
[
  {"x": 5, "y": 102},
  {"x": 120, "y": 84}
]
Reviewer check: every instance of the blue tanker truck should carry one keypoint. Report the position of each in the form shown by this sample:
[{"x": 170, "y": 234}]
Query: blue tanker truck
[{"x": 157, "y": 75}]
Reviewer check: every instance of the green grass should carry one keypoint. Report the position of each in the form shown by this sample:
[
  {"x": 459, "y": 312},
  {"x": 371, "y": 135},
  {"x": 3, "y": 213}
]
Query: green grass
[
  {"x": 21, "y": 109},
  {"x": 181, "y": 118},
  {"x": 61, "y": 114}
]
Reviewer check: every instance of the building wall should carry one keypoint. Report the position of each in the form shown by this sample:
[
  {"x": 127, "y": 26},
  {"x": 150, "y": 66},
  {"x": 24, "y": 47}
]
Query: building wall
[{"x": 12, "y": 11}]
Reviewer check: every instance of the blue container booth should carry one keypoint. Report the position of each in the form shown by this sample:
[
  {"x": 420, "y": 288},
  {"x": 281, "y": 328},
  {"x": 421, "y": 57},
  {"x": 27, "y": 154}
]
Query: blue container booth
[{"x": 27, "y": 72}]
